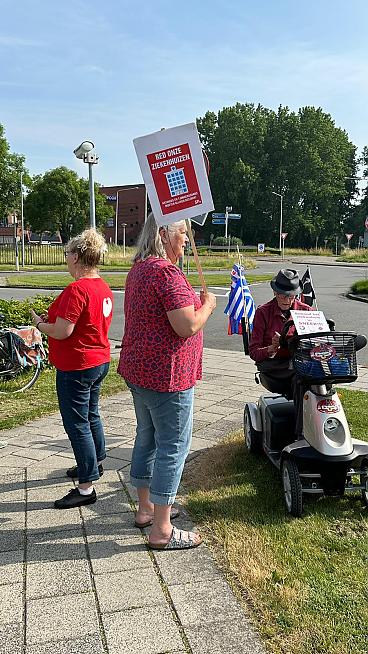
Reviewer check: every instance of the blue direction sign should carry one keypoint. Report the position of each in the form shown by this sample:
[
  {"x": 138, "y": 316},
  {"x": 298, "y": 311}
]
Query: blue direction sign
[
  {"x": 234, "y": 216},
  {"x": 218, "y": 221},
  {"x": 218, "y": 215}
]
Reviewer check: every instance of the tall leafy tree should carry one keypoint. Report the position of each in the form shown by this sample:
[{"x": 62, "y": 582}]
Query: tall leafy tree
[
  {"x": 59, "y": 202},
  {"x": 303, "y": 156},
  {"x": 11, "y": 166}
]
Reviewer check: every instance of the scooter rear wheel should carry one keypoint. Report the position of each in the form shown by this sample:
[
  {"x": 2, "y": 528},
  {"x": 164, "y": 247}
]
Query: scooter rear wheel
[
  {"x": 293, "y": 494},
  {"x": 253, "y": 438},
  {"x": 363, "y": 481}
]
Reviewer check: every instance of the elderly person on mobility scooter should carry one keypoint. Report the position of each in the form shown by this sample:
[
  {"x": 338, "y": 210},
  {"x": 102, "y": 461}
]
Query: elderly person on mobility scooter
[{"x": 272, "y": 360}]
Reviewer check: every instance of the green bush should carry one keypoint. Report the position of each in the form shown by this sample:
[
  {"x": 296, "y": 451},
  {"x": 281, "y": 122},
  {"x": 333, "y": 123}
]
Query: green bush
[
  {"x": 18, "y": 312},
  {"x": 360, "y": 287},
  {"x": 221, "y": 240}
]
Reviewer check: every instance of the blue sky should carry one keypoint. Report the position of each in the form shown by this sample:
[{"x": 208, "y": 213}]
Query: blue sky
[{"x": 112, "y": 71}]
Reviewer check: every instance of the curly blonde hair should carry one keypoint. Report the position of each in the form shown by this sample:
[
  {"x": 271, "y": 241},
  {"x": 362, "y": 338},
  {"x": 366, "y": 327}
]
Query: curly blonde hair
[{"x": 90, "y": 246}]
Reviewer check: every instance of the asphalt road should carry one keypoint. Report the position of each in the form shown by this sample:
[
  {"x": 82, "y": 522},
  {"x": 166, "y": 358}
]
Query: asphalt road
[{"x": 330, "y": 283}]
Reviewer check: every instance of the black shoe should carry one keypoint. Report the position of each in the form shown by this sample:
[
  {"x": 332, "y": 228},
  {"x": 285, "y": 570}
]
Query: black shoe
[
  {"x": 74, "y": 498},
  {"x": 73, "y": 472}
]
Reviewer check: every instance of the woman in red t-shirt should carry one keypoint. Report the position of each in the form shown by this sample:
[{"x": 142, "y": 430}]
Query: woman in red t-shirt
[
  {"x": 77, "y": 326},
  {"x": 161, "y": 360}
]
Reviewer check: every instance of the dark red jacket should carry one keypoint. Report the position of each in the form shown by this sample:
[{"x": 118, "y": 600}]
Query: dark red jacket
[{"x": 269, "y": 319}]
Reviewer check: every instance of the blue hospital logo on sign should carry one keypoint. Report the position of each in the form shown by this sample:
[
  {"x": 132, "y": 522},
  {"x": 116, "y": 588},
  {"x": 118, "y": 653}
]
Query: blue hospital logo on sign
[
  {"x": 261, "y": 248},
  {"x": 176, "y": 181}
]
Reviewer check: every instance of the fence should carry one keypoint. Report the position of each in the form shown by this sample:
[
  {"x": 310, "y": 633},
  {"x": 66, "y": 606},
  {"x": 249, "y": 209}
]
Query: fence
[{"x": 34, "y": 254}]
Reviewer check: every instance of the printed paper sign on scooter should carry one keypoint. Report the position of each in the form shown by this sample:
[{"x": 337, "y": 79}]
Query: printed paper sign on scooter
[
  {"x": 173, "y": 170},
  {"x": 309, "y": 322}
]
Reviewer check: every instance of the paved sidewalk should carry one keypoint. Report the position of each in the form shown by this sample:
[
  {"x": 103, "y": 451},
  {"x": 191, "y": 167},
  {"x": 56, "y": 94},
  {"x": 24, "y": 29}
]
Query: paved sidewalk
[{"x": 82, "y": 581}]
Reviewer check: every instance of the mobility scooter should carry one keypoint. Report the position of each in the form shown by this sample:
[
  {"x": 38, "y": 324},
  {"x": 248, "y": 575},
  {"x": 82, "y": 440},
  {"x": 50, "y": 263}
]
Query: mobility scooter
[{"x": 327, "y": 460}]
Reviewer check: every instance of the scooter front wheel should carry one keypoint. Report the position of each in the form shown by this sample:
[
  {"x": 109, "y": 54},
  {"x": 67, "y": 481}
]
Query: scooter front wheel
[{"x": 292, "y": 486}]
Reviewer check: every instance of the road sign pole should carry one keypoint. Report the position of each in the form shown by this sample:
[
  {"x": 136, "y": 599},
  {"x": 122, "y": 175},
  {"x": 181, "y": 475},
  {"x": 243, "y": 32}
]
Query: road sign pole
[{"x": 226, "y": 221}]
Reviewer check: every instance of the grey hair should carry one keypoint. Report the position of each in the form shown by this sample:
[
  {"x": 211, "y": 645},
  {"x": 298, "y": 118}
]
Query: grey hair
[{"x": 149, "y": 242}]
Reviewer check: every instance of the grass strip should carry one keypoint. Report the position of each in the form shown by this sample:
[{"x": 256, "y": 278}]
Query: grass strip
[
  {"x": 41, "y": 400},
  {"x": 306, "y": 579},
  {"x": 118, "y": 282}
]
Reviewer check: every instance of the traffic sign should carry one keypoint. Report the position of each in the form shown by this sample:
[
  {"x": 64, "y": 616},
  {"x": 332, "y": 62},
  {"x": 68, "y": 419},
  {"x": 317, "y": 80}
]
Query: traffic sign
[
  {"x": 261, "y": 248},
  {"x": 218, "y": 215},
  {"x": 218, "y": 221},
  {"x": 284, "y": 235},
  {"x": 234, "y": 216},
  {"x": 348, "y": 236},
  {"x": 366, "y": 223}
]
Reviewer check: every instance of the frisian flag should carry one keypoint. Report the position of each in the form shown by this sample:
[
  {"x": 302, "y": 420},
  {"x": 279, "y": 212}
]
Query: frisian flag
[
  {"x": 308, "y": 296},
  {"x": 238, "y": 296}
]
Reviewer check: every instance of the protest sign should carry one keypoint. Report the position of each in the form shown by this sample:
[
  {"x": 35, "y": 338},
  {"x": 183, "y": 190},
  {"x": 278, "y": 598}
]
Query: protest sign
[
  {"x": 174, "y": 172},
  {"x": 309, "y": 322}
]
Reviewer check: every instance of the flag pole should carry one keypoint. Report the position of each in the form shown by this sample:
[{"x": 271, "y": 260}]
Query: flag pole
[
  {"x": 242, "y": 290},
  {"x": 311, "y": 281},
  {"x": 195, "y": 254}
]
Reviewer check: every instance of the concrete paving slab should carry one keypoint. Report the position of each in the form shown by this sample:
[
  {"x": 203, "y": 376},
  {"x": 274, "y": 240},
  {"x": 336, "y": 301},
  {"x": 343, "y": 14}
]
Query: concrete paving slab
[
  {"x": 12, "y": 537},
  {"x": 148, "y": 630},
  {"x": 86, "y": 645},
  {"x": 46, "y": 520},
  {"x": 108, "y": 501},
  {"x": 11, "y": 605},
  {"x": 115, "y": 555},
  {"x": 60, "y": 546},
  {"x": 11, "y": 638},
  {"x": 121, "y": 452},
  {"x": 74, "y": 616},
  {"x": 127, "y": 589},
  {"x": 53, "y": 578},
  {"x": 187, "y": 566},
  {"x": 234, "y": 637},
  {"x": 116, "y": 525},
  {"x": 205, "y": 602},
  {"x": 11, "y": 568}
]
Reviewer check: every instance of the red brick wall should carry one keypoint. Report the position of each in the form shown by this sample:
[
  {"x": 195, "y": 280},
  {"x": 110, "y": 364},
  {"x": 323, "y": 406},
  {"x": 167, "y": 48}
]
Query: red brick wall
[{"x": 131, "y": 202}]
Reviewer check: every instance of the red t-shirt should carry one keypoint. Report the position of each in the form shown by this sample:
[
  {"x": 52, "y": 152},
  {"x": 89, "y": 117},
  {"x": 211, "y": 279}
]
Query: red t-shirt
[
  {"x": 88, "y": 304},
  {"x": 153, "y": 356}
]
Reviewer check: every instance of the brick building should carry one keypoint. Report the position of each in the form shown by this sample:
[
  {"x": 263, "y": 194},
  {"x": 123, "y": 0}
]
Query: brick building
[{"x": 130, "y": 209}]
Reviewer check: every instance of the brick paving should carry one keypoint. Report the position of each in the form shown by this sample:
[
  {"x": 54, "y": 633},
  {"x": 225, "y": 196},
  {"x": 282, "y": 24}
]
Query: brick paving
[{"x": 82, "y": 581}]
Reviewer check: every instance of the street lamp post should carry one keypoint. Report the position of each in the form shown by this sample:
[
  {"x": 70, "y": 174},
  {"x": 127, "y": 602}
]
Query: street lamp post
[
  {"x": 281, "y": 200},
  {"x": 22, "y": 215},
  {"x": 84, "y": 152},
  {"x": 124, "y": 225},
  {"x": 15, "y": 223}
]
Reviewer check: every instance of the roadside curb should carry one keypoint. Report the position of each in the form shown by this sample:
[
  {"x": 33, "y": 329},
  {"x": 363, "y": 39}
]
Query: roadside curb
[{"x": 358, "y": 298}]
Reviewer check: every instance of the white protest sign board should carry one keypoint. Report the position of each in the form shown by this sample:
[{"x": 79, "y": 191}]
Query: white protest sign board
[
  {"x": 309, "y": 322},
  {"x": 174, "y": 172}
]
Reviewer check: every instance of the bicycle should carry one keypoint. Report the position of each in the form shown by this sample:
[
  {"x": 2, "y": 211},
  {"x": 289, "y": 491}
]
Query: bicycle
[{"x": 21, "y": 357}]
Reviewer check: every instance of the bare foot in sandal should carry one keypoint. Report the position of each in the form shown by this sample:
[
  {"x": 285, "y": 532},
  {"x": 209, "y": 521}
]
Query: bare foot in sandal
[{"x": 179, "y": 540}]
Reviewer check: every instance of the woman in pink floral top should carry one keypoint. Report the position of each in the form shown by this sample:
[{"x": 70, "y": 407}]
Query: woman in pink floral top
[{"x": 161, "y": 360}]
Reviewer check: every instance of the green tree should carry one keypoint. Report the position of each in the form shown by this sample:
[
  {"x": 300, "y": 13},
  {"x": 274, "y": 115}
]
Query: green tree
[
  {"x": 59, "y": 202},
  {"x": 11, "y": 166},
  {"x": 254, "y": 151}
]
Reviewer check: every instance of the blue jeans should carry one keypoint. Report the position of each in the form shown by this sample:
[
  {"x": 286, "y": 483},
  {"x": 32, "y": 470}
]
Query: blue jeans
[
  {"x": 164, "y": 434},
  {"x": 78, "y": 394}
]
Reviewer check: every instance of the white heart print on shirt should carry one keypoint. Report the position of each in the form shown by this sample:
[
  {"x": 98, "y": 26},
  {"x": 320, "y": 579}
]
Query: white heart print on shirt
[{"x": 106, "y": 306}]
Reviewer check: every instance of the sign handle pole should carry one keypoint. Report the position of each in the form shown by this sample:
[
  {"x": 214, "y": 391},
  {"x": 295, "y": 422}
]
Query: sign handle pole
[{"x": 195, "y": 254}]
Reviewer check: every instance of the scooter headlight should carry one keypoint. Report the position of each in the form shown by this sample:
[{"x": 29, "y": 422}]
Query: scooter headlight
[{"x": 331, "y": 425}]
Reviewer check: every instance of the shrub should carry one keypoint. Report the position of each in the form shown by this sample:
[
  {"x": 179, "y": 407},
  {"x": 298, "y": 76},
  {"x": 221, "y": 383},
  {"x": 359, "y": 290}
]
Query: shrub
[{"x": 221, "y": 240}]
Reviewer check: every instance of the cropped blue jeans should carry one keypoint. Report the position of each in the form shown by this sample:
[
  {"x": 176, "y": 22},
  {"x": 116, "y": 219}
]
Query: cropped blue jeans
[
  {"x": 78, "y": 394},
  {"x": 164, "y": 434}
]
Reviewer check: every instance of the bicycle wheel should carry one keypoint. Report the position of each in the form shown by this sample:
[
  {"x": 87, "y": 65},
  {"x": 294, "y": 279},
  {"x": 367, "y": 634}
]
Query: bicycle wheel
[{"x": 17, "y": 379}]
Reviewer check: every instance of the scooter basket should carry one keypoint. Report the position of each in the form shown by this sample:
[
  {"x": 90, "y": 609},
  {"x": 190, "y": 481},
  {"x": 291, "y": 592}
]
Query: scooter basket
[{"x": 329, "y": 356}]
